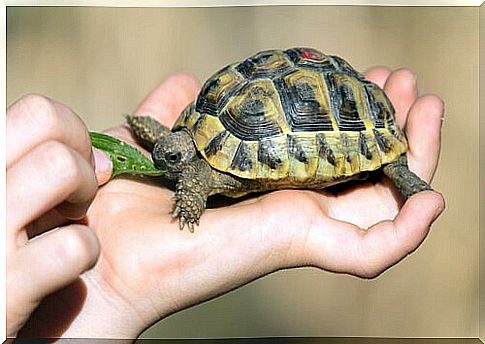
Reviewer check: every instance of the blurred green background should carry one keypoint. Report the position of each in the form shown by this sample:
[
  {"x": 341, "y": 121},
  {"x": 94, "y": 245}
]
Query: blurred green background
[{"x": 102, "y": 61}]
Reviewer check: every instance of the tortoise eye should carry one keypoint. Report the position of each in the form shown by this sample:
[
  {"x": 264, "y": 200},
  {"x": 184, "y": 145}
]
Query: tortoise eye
[{"x": 173, "y": 157}]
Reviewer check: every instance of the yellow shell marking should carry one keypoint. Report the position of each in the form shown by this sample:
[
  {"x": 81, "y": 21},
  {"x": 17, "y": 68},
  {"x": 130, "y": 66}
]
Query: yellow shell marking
[
  {"x": 303, "y": 171},
  {"x": 317, "y": 84},
  {"x": 360, "y": 100},
  {"x": 207, "y": 129},
  {"x": 262, "y": 91}
]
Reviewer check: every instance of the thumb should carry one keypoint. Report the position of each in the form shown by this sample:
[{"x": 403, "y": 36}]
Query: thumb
[
  {"x": 103, "y": 166},
  {"x": 167, "y": 100}
]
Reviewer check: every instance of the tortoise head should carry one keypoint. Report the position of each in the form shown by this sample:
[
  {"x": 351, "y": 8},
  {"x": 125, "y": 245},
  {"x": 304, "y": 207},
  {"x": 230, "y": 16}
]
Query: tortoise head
[{"x": 174, "y": 151}]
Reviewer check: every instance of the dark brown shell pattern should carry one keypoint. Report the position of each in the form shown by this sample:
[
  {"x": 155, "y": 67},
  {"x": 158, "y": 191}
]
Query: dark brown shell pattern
[{"x": 294, "y": 116}]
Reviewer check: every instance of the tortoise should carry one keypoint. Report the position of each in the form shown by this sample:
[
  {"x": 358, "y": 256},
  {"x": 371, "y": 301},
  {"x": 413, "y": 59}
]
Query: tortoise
[{"x": 294, "y": 118}]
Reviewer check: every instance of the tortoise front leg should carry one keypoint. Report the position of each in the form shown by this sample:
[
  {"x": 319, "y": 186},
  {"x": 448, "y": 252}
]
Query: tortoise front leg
[
  {"x": 147, "y": 130},
  {"x": 193, "y": 188},
  {"x": 407, "y": 182}
]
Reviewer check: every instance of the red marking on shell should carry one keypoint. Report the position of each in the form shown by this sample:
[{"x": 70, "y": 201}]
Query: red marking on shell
[{"x": 310, "y": 54}]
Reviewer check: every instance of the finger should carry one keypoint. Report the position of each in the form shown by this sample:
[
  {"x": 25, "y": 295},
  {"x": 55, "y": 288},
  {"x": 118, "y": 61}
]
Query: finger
[
  {"x": 401, "y": 88},
  {"x": 170, "y": 98},
  {"x": 378, "y": 75},
  {"x": 103, "y": 166},
  {"x": 345, "y": 248},
  {"x": 388, "y": 242},
  {"x": 51, "y": 175},
  {"x": 34, "y": 119},
  {"x": 51, "y": 261},
  {"x": 423, "y": 130},
  {"x": 51, "y": 219}
]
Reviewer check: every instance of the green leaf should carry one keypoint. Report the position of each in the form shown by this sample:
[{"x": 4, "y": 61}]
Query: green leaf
[{"x": 126, "y": 158}]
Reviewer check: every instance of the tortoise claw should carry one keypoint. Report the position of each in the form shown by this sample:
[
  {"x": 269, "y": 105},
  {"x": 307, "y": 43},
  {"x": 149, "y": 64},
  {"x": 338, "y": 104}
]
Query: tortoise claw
[
  {"x": 176, "y": 212},
  {"x": 182, "y": 223}
]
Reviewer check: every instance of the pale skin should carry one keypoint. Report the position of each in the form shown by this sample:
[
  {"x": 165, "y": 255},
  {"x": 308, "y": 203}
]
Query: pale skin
[{"x": 147, "y": 268}]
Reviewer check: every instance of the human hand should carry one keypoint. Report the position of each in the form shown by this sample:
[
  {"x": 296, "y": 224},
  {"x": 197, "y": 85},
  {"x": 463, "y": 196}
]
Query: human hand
[
  {"x": 50, "y": 180},
  {"x": 149, "y": 269}
]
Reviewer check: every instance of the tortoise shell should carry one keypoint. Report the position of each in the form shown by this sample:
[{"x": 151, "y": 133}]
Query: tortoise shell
[{"x": 294, "y": 116}]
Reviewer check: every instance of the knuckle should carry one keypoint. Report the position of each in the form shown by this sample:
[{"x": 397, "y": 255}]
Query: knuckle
[
  {"x": 366, "y": 270},
  {"x": 368, "y": 265},
  {"x": 41, "y": 110},
  {"x": 62, "y": 160},
  {"x": 79, "y": 247}
]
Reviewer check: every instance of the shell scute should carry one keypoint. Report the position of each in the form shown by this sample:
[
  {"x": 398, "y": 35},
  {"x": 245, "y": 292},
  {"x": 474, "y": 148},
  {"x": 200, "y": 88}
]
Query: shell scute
[
  {"x": 218, "y": 90},
  {"x": 273, "y": 158},
  {"x": 348, "y": 102},
  {"x": 310, "y": 58},
  {"x": 305, "y": 98},
  {"x": 255, "y": 112},
  {"x": 265, "y": 64}
]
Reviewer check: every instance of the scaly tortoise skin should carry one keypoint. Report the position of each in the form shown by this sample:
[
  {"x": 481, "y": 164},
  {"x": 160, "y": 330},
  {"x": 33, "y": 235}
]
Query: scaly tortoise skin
[{"x": 280, "y": 119}]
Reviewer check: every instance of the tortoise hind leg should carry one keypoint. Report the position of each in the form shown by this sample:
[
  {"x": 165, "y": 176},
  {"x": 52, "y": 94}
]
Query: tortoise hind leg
[
  {"x": 407, "y": 182},
  {"x": 147, "y": 130}
]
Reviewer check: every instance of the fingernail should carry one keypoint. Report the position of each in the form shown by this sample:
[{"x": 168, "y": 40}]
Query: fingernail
[{"x": 103, "y": 166}]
